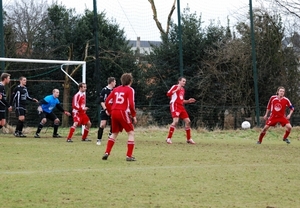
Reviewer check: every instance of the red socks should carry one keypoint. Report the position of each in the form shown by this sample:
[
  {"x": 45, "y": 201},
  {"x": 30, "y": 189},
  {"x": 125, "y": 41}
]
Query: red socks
[
  {"x": 109, "y": 145},
  {"x": 130, "y": 146},
  {"x": 71, "y": 132},
  {"x": 188, "y": 133},
  {"x": 171, "y": 131},
  {"x": 261, "y": 136},
  {"x": 286, "y": 135},
  {"x": 85, "y": 133}
]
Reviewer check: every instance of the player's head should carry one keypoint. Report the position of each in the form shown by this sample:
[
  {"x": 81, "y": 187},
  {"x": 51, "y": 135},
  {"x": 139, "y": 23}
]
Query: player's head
[
  {"x": 55, "y": 93},
  {"x": 5, "y": 78},
  {"x": 111, "y": 81},
  {"x": 22, "y": 80},
  {"x": 82, "y": 87},
  {"x": 280, "y": 91},
  {"x": 126, "y": 79},
  {"x": 181, "y": 81}
]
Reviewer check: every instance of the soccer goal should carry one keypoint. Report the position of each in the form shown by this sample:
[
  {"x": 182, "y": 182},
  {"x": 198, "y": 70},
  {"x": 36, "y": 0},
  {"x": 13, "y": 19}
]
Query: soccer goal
[{"x": 62, "y": 62}]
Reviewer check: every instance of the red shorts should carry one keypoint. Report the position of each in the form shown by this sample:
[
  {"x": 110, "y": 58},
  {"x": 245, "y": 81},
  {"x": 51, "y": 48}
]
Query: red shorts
[
  {"x": 81, "y": 119},
  {"x": 121, "y": 120},
  {"x": 272, "y": 121},
  {"x": 178, "y": 111}
]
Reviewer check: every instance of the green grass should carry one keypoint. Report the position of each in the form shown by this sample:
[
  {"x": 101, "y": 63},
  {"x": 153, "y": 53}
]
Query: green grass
[{"x": 224, "y": 169}]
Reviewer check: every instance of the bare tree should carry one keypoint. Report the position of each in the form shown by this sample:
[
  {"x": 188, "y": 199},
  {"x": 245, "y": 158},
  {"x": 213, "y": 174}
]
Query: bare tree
[
  {"x": 289, "y": 6},
  {"x": 158, "y": 24},
  {"x": 289, "y": 10},
  {"x": 26, "y": 17}
]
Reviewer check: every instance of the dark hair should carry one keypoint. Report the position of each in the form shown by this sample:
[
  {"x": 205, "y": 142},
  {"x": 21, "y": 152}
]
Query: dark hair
[
  {"x": 110, "y": 80},
  {"x": 80, "y": 85},
  {"x": 126, "y": 79},
  {"x": 180, "y": 78},
  {"x": 4, "y": 76},
  {"x": 21, "y": 77}
]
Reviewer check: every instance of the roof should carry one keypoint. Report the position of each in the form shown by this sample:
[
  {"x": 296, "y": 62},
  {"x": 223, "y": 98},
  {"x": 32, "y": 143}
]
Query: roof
[{"x": 144, "y": 43}]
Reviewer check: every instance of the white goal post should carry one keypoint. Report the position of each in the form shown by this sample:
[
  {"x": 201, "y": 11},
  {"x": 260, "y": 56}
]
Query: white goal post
[{"x": 62, "y": 62}]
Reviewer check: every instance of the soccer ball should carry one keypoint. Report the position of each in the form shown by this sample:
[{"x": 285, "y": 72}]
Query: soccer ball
[{"x": 246, "y": 125}]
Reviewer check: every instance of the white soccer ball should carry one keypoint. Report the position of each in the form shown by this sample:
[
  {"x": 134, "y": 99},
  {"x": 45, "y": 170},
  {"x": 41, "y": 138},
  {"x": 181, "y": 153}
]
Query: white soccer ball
[{"x": 246, "y": 125}]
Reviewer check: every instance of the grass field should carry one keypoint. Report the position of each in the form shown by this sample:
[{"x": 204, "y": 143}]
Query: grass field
[{"x": 224, "y": 169}]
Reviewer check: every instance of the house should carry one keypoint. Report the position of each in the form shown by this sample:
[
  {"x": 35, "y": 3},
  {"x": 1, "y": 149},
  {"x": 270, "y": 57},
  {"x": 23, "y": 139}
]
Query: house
[
  {"x": 143, "y": 46},
  {"x": 293, "y": 42}
]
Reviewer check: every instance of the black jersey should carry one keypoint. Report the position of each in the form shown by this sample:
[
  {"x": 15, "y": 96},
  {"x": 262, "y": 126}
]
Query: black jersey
[
  {"x": 19, "y": 96},
  {"x": 3, "y": 102},
  {"x": 104, "y": 93}
]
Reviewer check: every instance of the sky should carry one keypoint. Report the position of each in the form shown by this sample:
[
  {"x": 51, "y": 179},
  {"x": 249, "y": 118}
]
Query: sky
[{"x": 136, "y": 18}]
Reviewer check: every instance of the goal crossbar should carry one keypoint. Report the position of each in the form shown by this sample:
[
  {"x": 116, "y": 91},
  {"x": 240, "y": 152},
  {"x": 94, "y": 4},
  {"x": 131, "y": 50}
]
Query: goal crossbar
[{"x": 63, "y": 62}]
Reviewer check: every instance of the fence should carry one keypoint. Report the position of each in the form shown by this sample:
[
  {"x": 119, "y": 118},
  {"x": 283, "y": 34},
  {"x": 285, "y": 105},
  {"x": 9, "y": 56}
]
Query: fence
[{"x": 209, "y": 117}]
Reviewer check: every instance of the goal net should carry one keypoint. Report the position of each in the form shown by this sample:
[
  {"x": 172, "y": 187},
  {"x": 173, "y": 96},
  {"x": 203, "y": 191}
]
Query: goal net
[{"x": 42, "y": 77}]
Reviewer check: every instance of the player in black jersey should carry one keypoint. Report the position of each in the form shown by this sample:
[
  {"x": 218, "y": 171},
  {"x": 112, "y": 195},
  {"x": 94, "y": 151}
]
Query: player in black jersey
[
  {"x": 5, "y": 79},
  {"x": 111, "y": 81},
  {"x": 18, "y": 100}
]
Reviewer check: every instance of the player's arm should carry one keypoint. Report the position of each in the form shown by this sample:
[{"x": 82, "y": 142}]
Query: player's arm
[
  {"x": 268, "y": 108},
  {"x": 30, "y": 98},
  {"x": 103, "y": 95},
  {"x": 108, "y": 102},
  {"x": 131, "y": 103},
  {"x": 4, "y": 101},
  {"x": 43, "y": 101},
  {"x": 75, "y": 103},
  {"x": 13, "y": 96},
  {"x": 291, "y": 107},
  {"x": 60, "y": 108},
  {"x": 191, "y": 100},
  {"x": 173, "y": 89}
]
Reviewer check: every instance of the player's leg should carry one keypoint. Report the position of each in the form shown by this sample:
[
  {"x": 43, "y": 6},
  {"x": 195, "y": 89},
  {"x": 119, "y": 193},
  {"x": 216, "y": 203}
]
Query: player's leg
[
  {"x": 288, "y": 128},
  {"x": 172, "y": 129},
  {"x": 175, "y": 117},
  {"x": 128, "y": 126},
  {"x": 56, "y": 123},
  {"x": 20, "y": 113},
  {"x": 110, "y": 128},
  {"x": 116, "y": 128},
  {"x": 87, "y": 125},
  {"x": 72, "y": 129},
  {"x": 187, "y": 123},
  {"x": 2, "y": 118},
  {"x": 43, "y": 120},
  {"x": 100, "y": 131},
  {"x": 103, "y": 122},
  {"x": 264, "y": 131}
]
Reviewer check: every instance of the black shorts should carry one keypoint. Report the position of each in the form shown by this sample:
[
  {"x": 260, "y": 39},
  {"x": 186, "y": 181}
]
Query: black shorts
[
  {"x": 20, "y": 112},
  {"x": 50, "y": 116},
  {"x": 2, "y": 115},
  {"x": 104, "y": 116}
]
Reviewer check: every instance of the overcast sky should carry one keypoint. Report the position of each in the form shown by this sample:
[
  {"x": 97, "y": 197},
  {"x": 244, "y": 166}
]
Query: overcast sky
[{"x": 135, "y": 16}]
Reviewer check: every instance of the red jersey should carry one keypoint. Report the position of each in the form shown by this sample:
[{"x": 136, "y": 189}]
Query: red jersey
[
  {"x": 78, "y": 103},
  {"x": 277, "y": 106},
  {"x": 121, "y": 98},
  {"x": 176, "y": 97}
]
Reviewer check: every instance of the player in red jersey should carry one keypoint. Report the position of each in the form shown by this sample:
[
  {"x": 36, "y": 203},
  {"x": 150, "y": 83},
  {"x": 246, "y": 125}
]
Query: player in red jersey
[
  {"x": 120, "y": 105},
  {"x": 277, "y": 106},
  {"x": 79, "y": 113},
  {"x": 176, "y": 94}
]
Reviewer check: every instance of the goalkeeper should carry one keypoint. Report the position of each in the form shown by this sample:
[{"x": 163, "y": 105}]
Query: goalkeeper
[{"x": 45, "y": 112}]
